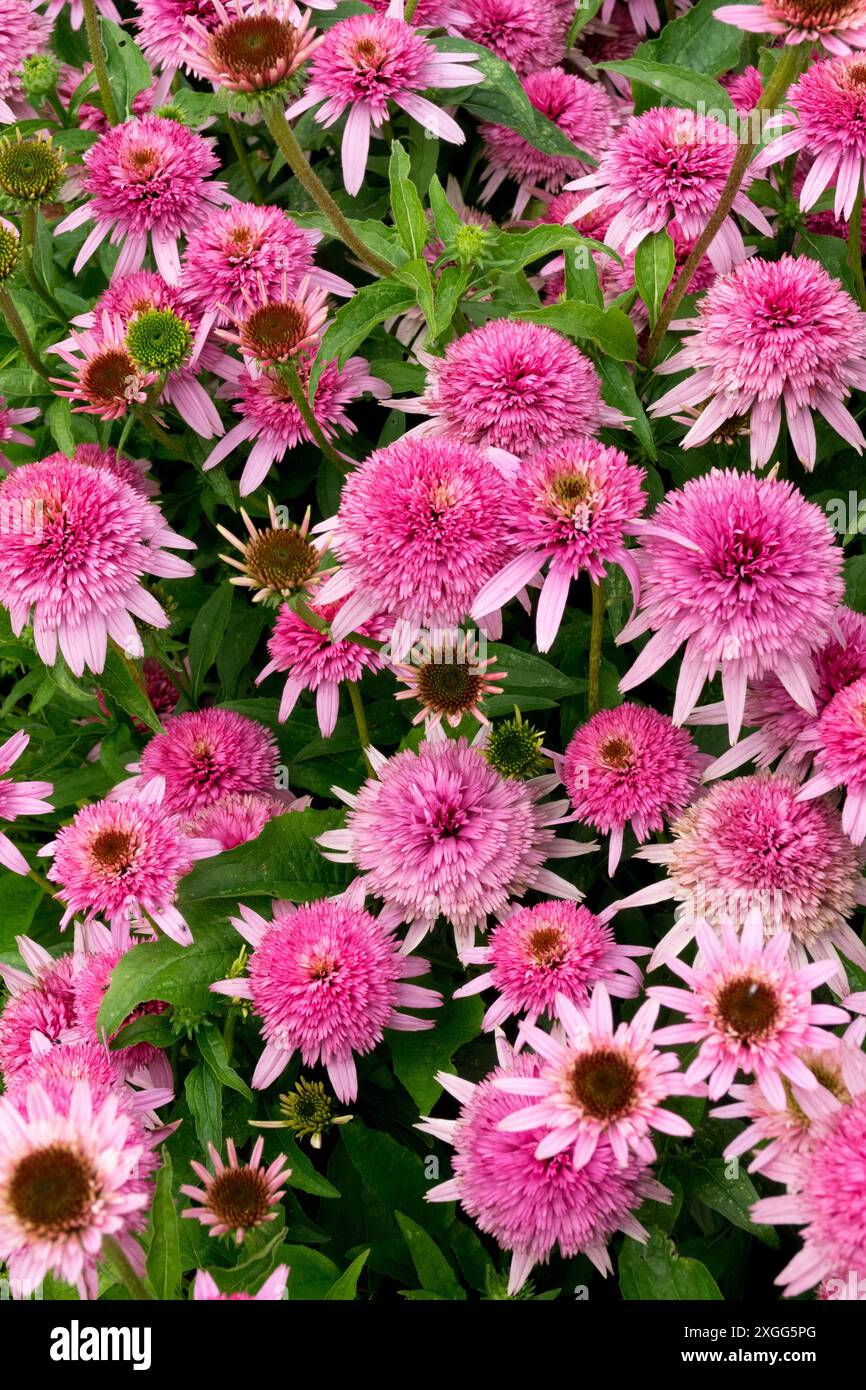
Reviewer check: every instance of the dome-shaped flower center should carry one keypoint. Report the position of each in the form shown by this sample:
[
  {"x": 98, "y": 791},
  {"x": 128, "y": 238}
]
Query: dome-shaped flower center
[
  {"x": 546, "y": 946},
  {"x": 159, "y": 340},
  {"x": 306, "y": 1110},
  {"x": 749, "y": 1008},
  {"x": 143, "y": 160},
  {"x": 855, "y": 73},
  {"x": 8, "y": 252},
  {"x": 239, "y": 1197},
  {"x": 114, "y": 850},
  {"x": 513, "y": 749},
  {"x": 255, "y": 48},
  {"x": 449, "y": 687},
  {"x": 322, "y": 967},
  {"x": 275, "y": 331},
  {"x": 820, "y": 15},
  {"x": 281, "y": 559},
  {"x": 51, "y": 1191},
  {"x": 368, "y": 55},
  {"x": 242, "y": 242},
  {"x": 109, "y": 377},
  {"x": 30, "y": 170},
  {"x": 604, "y": 1083},
  {"x": 573, "y": 496},
  {"x": 616, "y": 752}
]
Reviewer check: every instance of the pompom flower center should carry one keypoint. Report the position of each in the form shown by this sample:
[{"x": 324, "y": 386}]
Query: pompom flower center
[
  {"x": 51, "y": 1191},
  {"x": 546, "y": 946},
  {"x": 114, "y": 851},
  {"x": 743, "y": 558},
  {"x": 616, "y": 752},
  {"x": 816, "y": 14},
  {"x": 30, "y": 170},
  {"x": 749, "y": 1008},
  {"x": 253, "y": 48},
  {"x": 603, "y": 1083},
  {"x": 449, "y": 687},
  {"x": 239, "y": 1197},
  {"x": 159, "y": 340},
  {"x": 281, "y": 559},
  {"x": 513, "y": 749}
]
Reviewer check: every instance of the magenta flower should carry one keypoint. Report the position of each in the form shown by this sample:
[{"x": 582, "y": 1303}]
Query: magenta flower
[
  {"x": 75, "y": 1061},
  {"x": 582, "y": 110},
  {"x": 839, "y": 25},
  {"x": 90, "y": 985},
  {"x": 162, "y": 29},
  {"x": 106, "y": 8},
  {"x": 202, "y": 755},
  {"x": 40, "y": 1010},
  {"x": 130, "y": 471},
  {"x": 840, "y": 760},
  {"x": 542, "y": 953},
  {"x": 570, "y": 505},
  {"x": 270, "y": 417},
  {"x": 772, "y": 333},
  {"x": 123, "y": 860},
  {"x": 22, "y": 33},
  {"x": 314, "y": 660},
  {"x": 670, "y": 165},
  {"x": 326, "y": 979},
  {"x": 421, "y": 526},
  {"x": 77, "y": 557},
  {"x": 746, "y": 572},
  {"x": 448, "y": 678},
  {"x": 10, "y": 419},
  {"x": 83, "y": 1144},
  {"x": 749, "y": 1009},
  {"x": 826, "y": 1187},
  {"x": 530, "y": 1205},
  {"x": 366, "y": 63},
  {"x": 238, "y": 817},
  {"x": 272, "y": 1290},
  {"x": 751, "y": 844},
  {"x": 643, "y": 14},
  {"x": 236, "y": 1197},
  {"x": 744, "y": 88},
  {"x": 18, "y": 799},
  {"x": 277, "y": 327},
  {"x": 526, "y": 34},
  {"x": 148, "y": 181},
  {"x": 630, "y": 766},
  {"x": 514, "y": 387},
  {"x": 106, "y": 379},
  {"x": 252, "y": 48},
  {"x": 439, "y": 831}
]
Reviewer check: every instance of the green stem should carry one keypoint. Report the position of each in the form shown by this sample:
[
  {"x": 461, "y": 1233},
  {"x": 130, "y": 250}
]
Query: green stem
[
  {"x": 157, "y": 432},
  {"x": 360, "y": 721},
  {"x": 287, "y": 144},
  {"x": 123, "y": 1269},
  {"x": 785, "y": 71},
  {"x": 229, "y": 1031},
  {"x": 15, "y": 323},
  {"x": 58, "y": 108},
  {"x": 244, "y": 161},
  {"x": 28, "y": 244},
  {"x": 100, "y": 67},
  {"x": 302, "y": 401},
  {"x": 42, "y": 882},
  {"x": 855, "y": 252},
  {"x": 595, "y": 640},
  {"x": 409, "y": 11}
]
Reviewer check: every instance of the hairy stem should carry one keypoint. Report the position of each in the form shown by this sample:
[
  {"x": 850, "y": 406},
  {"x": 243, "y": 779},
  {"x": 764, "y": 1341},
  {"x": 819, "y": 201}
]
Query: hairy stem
[
  {"x": 305, "y": 410},
  {"x": 100, "y": 67},
  {"x": 28, "y": 245},
  {"x": 15, "y": 323},
  {"x": 595, "y": 640}
]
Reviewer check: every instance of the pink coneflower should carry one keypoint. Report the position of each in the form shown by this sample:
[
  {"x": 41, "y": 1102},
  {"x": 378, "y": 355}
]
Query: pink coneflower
[
  {"x": 253, "y": 48},
  {"x": 238, "y": 817},
  {"x": 744, "y": 88},
  {"x": 92, "y": 978},
  {"x": 604, "y": 41},
  {"x": 74, "y": 1168},
  {"x": 90, "y": 1061},
  {"x": 630, "y": 765},
  {"x": 236, "y": 1197},
  {"x": 778, "y": 1135},
  {"x": 751, "y": 844},
  {"x": 278, "y": 561},
  {"x": 107, "y": 380},
  {"x": 161, "y": 691},
  {"x": 839, "y": 25},
  {"x": 240, "y": 249},
  {"x": 22, "y": 33},
  {"x": 448, "y": 678},
  {"x": 526, "y": 34},
  {"x": 271, "y": 418},
  {"x": 841, "y": 757},
  {"x": 666, "y": 165},
  {"x": 205, "y": 1290},
  {"x": 582, "y": 110},
  {"x": 749, "y": 1009},
  {"x": 368, "y": 62},
  {"x": 313, "y": 659},
  {"x": 531, "y": 1205},
  {"x": 829, "y": 103},
  {"x": 550, "y": 950},
  {"x": 783, "y": 729},
  {"x": 746, "y": 572},
  {"x": 128, "y": 470},
  {"x": 41, "y": 1009},
  {"x": 148, "y": 181},
  {"x": 570, "y": 505},
  {"x": 204, "y": 754},
  {"x": 643, "y": 14},
  {"x": 162, "y": 28},
  {"x": 123, "y": 860},
  {"x": 421, "y": 526},
  {"x": 600, "y": 1083},
  {"x": 10, "y": 419},
  {"x": 513, "y": 386},
  {"x": 276, "y": 327},
  {"x": 325, "y": 979},
  {"x": 771, "y": 333},
  {"x": 439, "y": 831},
  {"x": 18, "y": 799},
  {"x": 827, "y": 1197},
  {"x": 83, "y": 544}
]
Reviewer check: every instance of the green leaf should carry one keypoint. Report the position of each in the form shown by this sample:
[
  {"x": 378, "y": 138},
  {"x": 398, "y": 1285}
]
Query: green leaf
[
  {"x": 344, "y": 1289},
  {"x": 213, "y": 1050},
  {"x": 697, "y": 41},
  {"x": 20, "y": 897},
  {"x": 655, "y": 1272},
  {"x": 417, "y": 274},
  {"x": 610, "y": 329},
  {"x": 856, "y": 974},
  {"x": 178, "y": 975},
  {"x": 418, "y": 1057},
  {"x": 356, "y": 320},
  {"x": 58, "y": 418},
  {"x": 406, "y": 205},
  {"x": 511, "y": 251},
  {"x": 155, "y": 1029},
  {"x": 529, "y": 672},
  {"x": 303, "y": 1175},
  {"x": 121, "y": 689},
  {"x": 855, "y": 583},
  {"x": 394, "y": 1175},
  {"x": 446, "y": 221},
  {"x": 207, "y": 632},
  {"x": 127, "y": 66},
  {"x": 679, "y": 86},
  {"x": 732, "y": 1197},
  {"x": 163, "y": 1256},
  {"x": 654, "y": 264},
  {"x": 282, "y": 862},
  {"x": 205, "y": 1100},
  {"x": 433, "y": 1270},
  {"x": 618, "y": 389}
]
